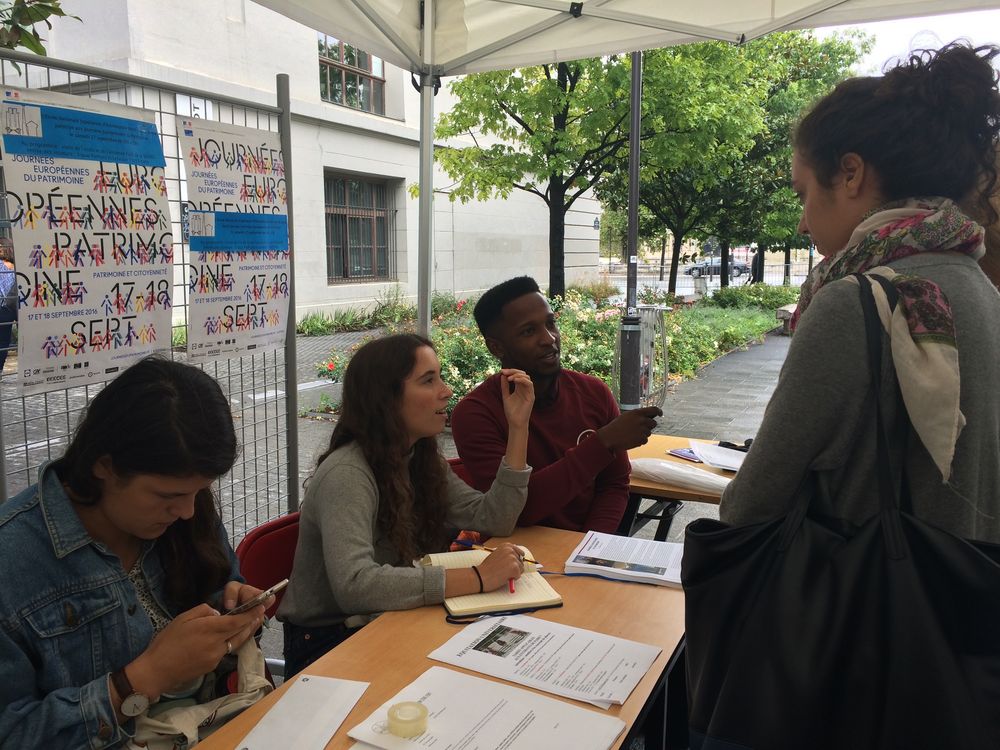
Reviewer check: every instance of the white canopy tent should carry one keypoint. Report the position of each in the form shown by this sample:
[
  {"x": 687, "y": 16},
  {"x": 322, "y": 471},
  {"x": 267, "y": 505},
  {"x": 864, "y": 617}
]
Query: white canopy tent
[{"x": 468, "y": 36}]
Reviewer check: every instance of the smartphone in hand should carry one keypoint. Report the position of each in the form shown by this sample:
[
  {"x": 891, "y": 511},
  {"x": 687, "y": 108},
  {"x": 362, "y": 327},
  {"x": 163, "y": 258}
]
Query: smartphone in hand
[{"x": 262, "y": 597}]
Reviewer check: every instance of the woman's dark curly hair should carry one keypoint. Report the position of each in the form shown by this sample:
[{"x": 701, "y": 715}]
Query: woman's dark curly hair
[
  {"x": 166, "y": 418},
  {"x": 411, "y": 488},
  {"x": 929, "y": 127}
]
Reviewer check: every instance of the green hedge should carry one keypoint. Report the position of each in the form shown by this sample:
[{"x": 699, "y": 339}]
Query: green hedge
[
  {"x": 589, "y": 330},
  {"x": 760, "y": 296}
]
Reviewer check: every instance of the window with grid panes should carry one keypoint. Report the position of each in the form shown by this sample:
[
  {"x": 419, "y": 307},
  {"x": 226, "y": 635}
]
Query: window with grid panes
[
  {"x": 350, "y": 76},
  {"x": 360, "y": 229}
]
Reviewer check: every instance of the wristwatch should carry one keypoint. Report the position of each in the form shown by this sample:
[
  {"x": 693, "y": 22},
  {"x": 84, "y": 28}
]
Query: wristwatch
[{"x": 133, "y": 703}]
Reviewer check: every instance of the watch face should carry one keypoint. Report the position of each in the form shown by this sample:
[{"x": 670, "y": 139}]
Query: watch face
[{"x": 135, "y": 704}]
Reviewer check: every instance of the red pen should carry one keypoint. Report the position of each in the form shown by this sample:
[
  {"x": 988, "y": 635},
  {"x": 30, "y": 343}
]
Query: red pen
[{"x": 510, "y": 585}]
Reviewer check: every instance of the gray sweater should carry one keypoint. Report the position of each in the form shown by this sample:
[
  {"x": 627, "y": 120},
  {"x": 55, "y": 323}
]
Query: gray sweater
[
  {"x": 347, "y": 570},
  {"x": 821, "y": 417}
]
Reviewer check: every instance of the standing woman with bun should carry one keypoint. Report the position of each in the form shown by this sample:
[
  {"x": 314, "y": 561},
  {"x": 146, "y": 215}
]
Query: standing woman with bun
[{"x": 881, "y": 166}]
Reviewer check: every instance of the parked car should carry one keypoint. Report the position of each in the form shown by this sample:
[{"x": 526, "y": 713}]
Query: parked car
[{"x": 713, "y": 267}]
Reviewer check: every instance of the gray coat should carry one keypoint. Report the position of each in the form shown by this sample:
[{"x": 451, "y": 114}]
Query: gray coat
[
  {"x": 347, "y": 570},
  {"x": 821, "y": 416}
]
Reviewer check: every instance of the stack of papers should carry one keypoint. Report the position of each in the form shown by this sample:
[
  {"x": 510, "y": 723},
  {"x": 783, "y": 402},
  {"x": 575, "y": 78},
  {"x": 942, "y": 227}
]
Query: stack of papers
[
  {"x": 560, "y": 659},
  {"x": 470, "y": 712},
  {"x": 627, "y": 558}
]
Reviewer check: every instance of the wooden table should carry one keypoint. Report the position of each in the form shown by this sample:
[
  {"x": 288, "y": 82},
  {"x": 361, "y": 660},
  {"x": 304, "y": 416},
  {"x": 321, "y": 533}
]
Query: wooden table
[
  {"x": 669, "y": 496},
  {"x": 392, "y": 651}
]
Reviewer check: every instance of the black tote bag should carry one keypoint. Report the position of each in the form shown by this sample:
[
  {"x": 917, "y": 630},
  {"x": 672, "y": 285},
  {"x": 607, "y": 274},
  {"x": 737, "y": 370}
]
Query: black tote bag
[{"x": 808, "y": 632}]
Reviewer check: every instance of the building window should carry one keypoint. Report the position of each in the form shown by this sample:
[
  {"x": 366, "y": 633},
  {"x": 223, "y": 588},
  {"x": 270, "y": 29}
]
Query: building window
[
  {"x": 350, "y": 76},
  {"x": 360, "y": 230}
]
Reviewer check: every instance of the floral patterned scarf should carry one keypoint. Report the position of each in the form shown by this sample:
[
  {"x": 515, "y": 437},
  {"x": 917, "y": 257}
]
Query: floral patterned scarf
[{"x": 921, "y": 329}]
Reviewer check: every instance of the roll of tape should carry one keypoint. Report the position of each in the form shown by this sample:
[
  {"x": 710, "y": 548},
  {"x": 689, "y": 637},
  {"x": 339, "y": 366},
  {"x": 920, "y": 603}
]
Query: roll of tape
[{"x": 407, "y": 719}]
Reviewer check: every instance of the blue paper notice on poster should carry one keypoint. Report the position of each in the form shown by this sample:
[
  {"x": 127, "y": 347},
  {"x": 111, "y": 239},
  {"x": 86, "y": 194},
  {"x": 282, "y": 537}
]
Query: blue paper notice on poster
[
  {"x": 57, "y": 132},
  {"x": 220, "y": 232}
]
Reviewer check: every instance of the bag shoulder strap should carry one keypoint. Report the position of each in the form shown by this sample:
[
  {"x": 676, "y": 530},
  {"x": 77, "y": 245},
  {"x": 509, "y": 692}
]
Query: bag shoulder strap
[{"x": 888, "y": 494}]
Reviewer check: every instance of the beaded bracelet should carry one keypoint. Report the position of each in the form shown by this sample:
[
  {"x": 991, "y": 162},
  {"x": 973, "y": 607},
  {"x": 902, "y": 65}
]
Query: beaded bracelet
[{"x": 476, "y": 571}]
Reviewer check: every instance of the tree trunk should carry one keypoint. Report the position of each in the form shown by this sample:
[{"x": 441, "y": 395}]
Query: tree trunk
[
  {"x": 557, "y": 237},
  {"x": 674, "y": 261},
  {"x": 663, "y": 254},
  {"x": 788, "y": 266},
  {"x": 724, "y": 262}
]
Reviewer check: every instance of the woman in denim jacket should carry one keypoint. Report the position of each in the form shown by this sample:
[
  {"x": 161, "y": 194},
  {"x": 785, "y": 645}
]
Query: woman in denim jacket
[{"x": 108, "y": 561}]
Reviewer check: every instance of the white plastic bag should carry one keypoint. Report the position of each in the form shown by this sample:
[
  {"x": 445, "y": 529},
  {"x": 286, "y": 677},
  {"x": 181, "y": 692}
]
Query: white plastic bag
[{"x": 679, "y": 475}]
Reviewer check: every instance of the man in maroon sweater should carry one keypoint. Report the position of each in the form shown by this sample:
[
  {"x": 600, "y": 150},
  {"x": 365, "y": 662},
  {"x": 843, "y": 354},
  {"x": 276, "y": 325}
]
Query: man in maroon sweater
[{"x": 578, "y": 440}]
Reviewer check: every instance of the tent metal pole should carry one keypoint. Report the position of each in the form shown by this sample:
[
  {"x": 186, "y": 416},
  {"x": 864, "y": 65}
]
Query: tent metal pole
[
  {"x": 630, "y": 393},
  {"x": 291, "y": 376},
  {"x": 425, "y": 228}
]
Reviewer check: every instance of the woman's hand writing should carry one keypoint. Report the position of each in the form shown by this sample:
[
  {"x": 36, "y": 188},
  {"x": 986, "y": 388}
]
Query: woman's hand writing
[{"x": 504, "y": 563}]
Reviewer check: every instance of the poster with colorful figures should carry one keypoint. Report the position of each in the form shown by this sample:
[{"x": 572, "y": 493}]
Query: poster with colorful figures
[
  {"x": 237, "y": 224},
  {"x": 93, "y": 249}
]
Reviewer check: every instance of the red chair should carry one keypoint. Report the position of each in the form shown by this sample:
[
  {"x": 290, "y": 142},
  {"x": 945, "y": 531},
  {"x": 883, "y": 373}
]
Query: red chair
[
  {"x": 461, "y": 472},
  {"x": 266, "y": 555},
  {"x": 267, "y": 552}
]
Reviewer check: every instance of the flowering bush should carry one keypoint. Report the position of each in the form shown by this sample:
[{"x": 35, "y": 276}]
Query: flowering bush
[
  {"x": 465, "y": 360},
  {"x": 589, "y": 333},
  {"x": 333, "y": 367}
]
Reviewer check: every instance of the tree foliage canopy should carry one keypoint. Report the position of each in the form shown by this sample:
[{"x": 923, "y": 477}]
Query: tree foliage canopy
[
  {"x": 18, "y": 19},
  {"x": 732, "y": 181},
  {"x": 715, "y": 124}
]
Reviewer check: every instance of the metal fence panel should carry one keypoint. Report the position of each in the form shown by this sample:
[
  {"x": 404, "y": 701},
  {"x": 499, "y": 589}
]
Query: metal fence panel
[{"x": 37, "y": 428}]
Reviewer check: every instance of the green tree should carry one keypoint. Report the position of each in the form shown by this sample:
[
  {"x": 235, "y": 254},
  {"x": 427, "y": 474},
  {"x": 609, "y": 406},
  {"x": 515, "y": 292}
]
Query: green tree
[
  {"x": 614, "y": 228},
  {"x": 755, "y": 203},
  {"x": 700, "y": 111},
  {"x": 729, "y": 179},
  {"x": 19, "y": 18},
  {"x": 549, "y": 130}
]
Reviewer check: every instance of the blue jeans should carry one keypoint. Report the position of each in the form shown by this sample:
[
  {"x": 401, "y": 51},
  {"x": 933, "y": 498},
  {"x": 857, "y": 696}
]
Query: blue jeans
[{"x": 304, "y": 645}]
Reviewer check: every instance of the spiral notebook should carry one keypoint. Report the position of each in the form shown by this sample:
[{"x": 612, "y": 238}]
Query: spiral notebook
[{"x": 532, "y": 590}]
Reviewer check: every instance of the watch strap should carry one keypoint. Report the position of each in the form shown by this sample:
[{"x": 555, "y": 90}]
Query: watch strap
[
  {"x": 122, "y": 685},
  {"x": 132, "y": 702}
]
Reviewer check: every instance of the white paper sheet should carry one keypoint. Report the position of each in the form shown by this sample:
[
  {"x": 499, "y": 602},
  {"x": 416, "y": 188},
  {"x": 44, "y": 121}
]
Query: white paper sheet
[
  {"x": 720, "y": 458},
  {"x": 470, "y": 712},
  {"x": 307, "y": 715},
  {"x": 560, "y": 659}
]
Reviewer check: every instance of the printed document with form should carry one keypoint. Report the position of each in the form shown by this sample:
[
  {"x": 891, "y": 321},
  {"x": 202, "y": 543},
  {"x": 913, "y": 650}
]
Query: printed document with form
[
  {"x": 572, "y": 662},
  {"x": 470, "y": 712}
]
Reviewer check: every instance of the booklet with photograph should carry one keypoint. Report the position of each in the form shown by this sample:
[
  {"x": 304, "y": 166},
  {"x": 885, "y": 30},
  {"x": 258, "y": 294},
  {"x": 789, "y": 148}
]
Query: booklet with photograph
[
  {"x": 627, "y": 558},
  {"x": 531, "y": 590}
]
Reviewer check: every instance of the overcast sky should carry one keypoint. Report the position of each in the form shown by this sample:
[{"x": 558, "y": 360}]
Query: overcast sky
[{"x": 896, "y": 38}]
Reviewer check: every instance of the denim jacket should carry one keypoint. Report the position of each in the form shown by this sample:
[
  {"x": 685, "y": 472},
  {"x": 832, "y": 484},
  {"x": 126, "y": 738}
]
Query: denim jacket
[{"x": 68, "y": 618}]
